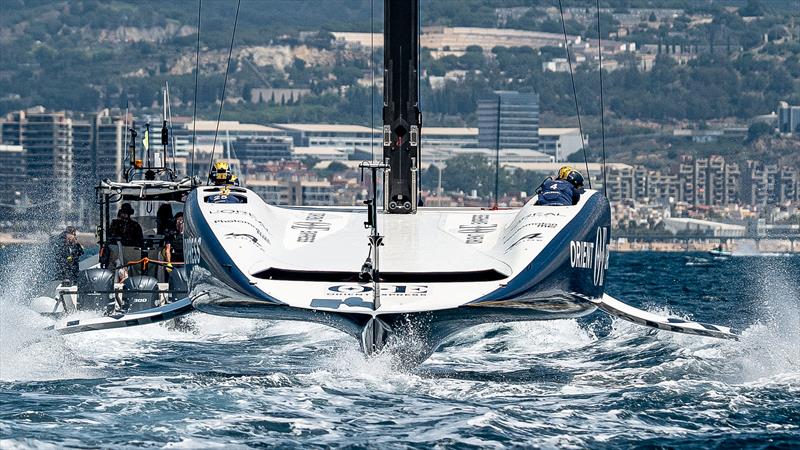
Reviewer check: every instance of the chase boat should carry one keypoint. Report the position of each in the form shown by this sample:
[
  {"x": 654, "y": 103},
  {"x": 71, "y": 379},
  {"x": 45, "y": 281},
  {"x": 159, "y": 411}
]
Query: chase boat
[{"x": 128, "y": 277}]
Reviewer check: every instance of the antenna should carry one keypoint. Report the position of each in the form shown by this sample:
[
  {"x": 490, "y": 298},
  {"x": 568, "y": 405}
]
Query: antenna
[
  {"x": 497, "y": 156},
  {"x": 196, "y": 77},
  {"x": 574, "y": 93},
  {"x": 171, "y": 131},
  {"x": 225, "y": 83},
  {"x": 602, "y": 107}
]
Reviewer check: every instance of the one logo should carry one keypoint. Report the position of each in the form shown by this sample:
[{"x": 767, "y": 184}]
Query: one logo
[
  {"x": 400, "y": 289},
  {"x": 350, "y": 289},
  {"x": 591, "y": 255}
]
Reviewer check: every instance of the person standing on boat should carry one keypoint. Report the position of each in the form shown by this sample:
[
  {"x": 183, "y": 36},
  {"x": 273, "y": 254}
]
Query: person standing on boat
[
  {"x": 174, "y": 243},
  {"x": 565, "y": 190},
  {"x": 67, "y": 252},
  {"x": 165, "y": 223},
  {"x": 124, "y": 228}
]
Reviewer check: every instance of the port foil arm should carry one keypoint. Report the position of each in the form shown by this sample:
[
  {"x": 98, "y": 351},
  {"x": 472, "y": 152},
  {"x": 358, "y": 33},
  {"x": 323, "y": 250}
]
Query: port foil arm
[{"x": 627, "y": 312}]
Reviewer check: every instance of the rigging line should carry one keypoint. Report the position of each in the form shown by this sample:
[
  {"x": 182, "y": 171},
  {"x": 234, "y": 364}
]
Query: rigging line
[
  {"x": 125, "y": 158},
  {"x": 171, "y": 133},
  {"x": 196, "y": 78},
  {"x": 574, "y": 92},
  {"x": 602, "y": 106},
  {"x": 225, "y": 82}
]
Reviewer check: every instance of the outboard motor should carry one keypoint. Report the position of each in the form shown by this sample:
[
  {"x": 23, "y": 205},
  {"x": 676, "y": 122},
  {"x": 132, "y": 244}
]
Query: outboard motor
[
  {"x": 178, "y": 285},
  {"x": 95, "y": 290},
  {"x": 139, "y": 293}
]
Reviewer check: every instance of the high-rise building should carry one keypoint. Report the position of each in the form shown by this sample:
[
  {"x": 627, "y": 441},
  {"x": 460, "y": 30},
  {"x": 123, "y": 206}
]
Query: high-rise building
[
  {"x": 47, "y": 139},
  {"x": 82, "y": 167},
  {"x": 12, "y": 167},
  {"x": 518, "y": 120},
  {"x": 664, "y": 187},
  {"x": 108, "y": 146},
  {"x": 709, "y": 181},
  {"x": 788, "y": 118},
  {"x": 787, "y": 184},
  {"x": 758, "y": 182},
  {"x": 722, "y": 182}
]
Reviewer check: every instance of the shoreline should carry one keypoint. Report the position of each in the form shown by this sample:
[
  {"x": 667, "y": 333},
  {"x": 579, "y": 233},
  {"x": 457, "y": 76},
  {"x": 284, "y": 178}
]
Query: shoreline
[{"x": 748, "y": 247}]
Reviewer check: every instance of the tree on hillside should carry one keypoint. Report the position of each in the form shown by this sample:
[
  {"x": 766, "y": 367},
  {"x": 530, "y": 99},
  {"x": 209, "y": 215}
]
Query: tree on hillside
[
  {"x": 758, "y": 130},
  {"x": 467, "y": 172}
]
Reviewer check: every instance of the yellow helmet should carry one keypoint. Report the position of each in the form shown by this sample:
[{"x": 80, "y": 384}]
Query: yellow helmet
[
  {"x": 221, "y": 173},
  {"x": 564, "y": 172}
]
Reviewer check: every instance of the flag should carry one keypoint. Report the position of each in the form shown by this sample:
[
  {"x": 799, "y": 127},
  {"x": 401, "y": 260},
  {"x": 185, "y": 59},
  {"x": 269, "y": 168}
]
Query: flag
[{"x": 146, "y": 139}]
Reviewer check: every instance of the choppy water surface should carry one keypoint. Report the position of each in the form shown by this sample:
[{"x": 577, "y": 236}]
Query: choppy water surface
[{"x": 594, "y": 382}]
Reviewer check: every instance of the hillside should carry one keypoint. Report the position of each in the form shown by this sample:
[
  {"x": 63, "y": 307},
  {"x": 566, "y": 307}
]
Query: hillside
[{"x": 88, "y": 54}]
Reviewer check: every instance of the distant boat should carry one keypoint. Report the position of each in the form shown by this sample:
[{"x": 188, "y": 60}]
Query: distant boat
[
  {"x": 698, "y": 261},
  {"x": 720, "y": 253}
]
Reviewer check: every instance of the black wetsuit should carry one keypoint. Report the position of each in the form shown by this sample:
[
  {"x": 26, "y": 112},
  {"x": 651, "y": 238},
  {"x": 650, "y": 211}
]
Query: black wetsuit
[
  {"x": 127, "y": 230},
  {"x": 175, "y": 241},
  {"x": 66, "y": 258}
]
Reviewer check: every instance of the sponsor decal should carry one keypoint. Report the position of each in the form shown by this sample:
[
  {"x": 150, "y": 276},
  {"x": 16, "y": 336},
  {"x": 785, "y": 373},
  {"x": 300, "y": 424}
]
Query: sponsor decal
[
  {"x": 191, "y": 249},
  {"x": 591, "y": 255},
  {"x": 538, "y": 214},
  {"x": 526, "y": 238},
  {"x": 478, "y": 226},
  {"x": 228, "y": 212},
  {"x": 412, "y": 290},
  {"x": 311, "y": 226},
  {"x": 246, "y": 237},
  {"x": 260, "y": 231}
]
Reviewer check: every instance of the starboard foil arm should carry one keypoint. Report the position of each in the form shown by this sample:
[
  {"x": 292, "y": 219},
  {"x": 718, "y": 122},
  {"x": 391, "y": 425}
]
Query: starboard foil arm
[
  {"x": 154, "y": 315},
  {"x": 627, "y": 312}
]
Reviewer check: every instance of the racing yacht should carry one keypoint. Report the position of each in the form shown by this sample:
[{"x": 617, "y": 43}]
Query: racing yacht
[{"x": 401, "y": 275}]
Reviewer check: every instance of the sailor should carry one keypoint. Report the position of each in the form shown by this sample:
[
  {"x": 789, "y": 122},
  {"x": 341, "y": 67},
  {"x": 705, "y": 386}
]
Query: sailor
[
  {"x": 565, "y": 190},
  {"x": 174, "y": 247},
  {"x": 127, "y": 230},
  {"x": 67, "y": 252},
  {"x": 165, "y": 224},
  {"x": 221, "y": 175}
]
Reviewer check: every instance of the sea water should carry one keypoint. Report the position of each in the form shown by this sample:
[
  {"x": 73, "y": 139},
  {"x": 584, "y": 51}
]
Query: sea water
[{"x": 595, "y": 382}]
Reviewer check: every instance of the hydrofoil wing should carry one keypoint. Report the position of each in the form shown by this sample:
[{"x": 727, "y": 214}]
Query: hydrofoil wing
[{"x": 627, "y": 312}]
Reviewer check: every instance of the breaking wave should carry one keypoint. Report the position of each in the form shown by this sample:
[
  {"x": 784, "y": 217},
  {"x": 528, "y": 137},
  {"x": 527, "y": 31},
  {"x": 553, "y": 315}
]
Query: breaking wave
[{"x": 595, "y": 382}]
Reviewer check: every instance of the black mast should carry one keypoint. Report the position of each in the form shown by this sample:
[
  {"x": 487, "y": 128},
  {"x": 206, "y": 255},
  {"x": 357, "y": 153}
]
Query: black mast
[{"x": 402, "y": 120}]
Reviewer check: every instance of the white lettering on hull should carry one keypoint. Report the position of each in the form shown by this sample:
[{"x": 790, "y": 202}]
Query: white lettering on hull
[{"x": 591, "y": 255}]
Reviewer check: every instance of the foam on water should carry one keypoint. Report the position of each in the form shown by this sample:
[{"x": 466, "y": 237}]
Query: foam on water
[{"x": 566, "y": 383}]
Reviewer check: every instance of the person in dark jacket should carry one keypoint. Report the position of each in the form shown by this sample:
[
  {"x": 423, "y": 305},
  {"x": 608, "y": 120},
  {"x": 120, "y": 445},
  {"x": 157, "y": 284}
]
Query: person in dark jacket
[
  {"x": 174, "y": 247},
  {"x": 67, "y": 252},
  {"x": 565, "y": 190},
  {"x": 165, "y": 224},
  {"x": 126, "y": 229}
]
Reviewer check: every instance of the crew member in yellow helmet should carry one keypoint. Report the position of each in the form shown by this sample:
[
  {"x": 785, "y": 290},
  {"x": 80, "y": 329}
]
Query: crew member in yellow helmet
[
  {"x": 565, "y": 190},
  {"x": 221, "y": 175}
]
